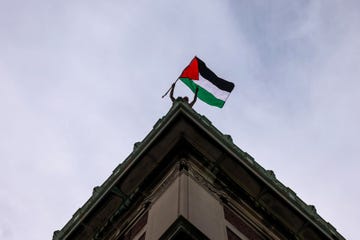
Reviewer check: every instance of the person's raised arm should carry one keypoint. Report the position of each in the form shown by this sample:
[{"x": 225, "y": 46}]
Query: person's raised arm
[
  {"x": 172, "y": 92},
  {"x": 195, "y": 97}
]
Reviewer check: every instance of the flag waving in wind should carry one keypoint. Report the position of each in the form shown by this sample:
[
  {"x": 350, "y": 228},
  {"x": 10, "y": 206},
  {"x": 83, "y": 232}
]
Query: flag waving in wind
[{"x": 212, "y": 89}]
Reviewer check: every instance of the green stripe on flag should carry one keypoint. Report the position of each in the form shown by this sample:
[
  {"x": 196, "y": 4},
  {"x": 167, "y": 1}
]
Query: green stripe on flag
[{"x": 203, "y": 94}]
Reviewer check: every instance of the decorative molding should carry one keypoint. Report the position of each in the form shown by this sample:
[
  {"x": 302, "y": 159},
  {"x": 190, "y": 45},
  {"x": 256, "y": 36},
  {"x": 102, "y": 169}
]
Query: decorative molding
[
  {"x": 158, "y": 190},
  {"x": 205, "y": 179}
]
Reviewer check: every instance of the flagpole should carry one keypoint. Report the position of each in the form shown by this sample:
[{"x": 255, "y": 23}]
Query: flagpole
[{"x": 170, "y": 88}]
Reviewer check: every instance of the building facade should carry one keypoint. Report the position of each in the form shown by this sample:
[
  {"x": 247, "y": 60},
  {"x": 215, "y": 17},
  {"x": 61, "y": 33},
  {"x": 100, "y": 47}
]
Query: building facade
[{"x": 187, "y": 180}]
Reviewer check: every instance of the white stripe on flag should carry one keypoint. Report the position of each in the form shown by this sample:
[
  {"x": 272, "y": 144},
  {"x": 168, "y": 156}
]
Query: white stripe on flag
[{"x": 211, "y": 88}]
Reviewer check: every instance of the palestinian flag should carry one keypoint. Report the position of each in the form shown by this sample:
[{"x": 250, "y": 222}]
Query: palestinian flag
[{"x": 212, "y": 89}]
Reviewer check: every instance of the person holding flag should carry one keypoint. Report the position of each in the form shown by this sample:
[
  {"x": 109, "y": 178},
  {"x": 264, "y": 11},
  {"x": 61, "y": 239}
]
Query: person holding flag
[
  {"x": 185, "y": 99},
  {"x": 204, "y": 83}
]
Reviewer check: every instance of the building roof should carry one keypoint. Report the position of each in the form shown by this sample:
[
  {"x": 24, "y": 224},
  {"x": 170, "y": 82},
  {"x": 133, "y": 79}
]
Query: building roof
[{"x": 259, "y": 184}]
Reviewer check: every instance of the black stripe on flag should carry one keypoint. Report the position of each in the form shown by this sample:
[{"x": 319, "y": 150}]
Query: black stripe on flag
[{"x": 206, "y": 73}]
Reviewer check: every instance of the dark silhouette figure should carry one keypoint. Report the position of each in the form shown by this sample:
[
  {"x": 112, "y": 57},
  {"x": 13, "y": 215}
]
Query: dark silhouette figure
[{"x": 185, "y": 99}]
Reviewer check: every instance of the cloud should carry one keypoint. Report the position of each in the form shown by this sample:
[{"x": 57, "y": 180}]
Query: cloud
[{"x": 81, "y": 81}]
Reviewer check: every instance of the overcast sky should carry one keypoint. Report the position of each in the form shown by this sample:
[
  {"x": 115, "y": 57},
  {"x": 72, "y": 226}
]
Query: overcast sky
[{"x": 81, "y": 82}]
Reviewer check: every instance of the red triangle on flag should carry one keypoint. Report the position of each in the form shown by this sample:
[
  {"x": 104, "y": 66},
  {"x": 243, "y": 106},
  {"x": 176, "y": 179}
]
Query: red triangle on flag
[{"x": 191, "y": 71}]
